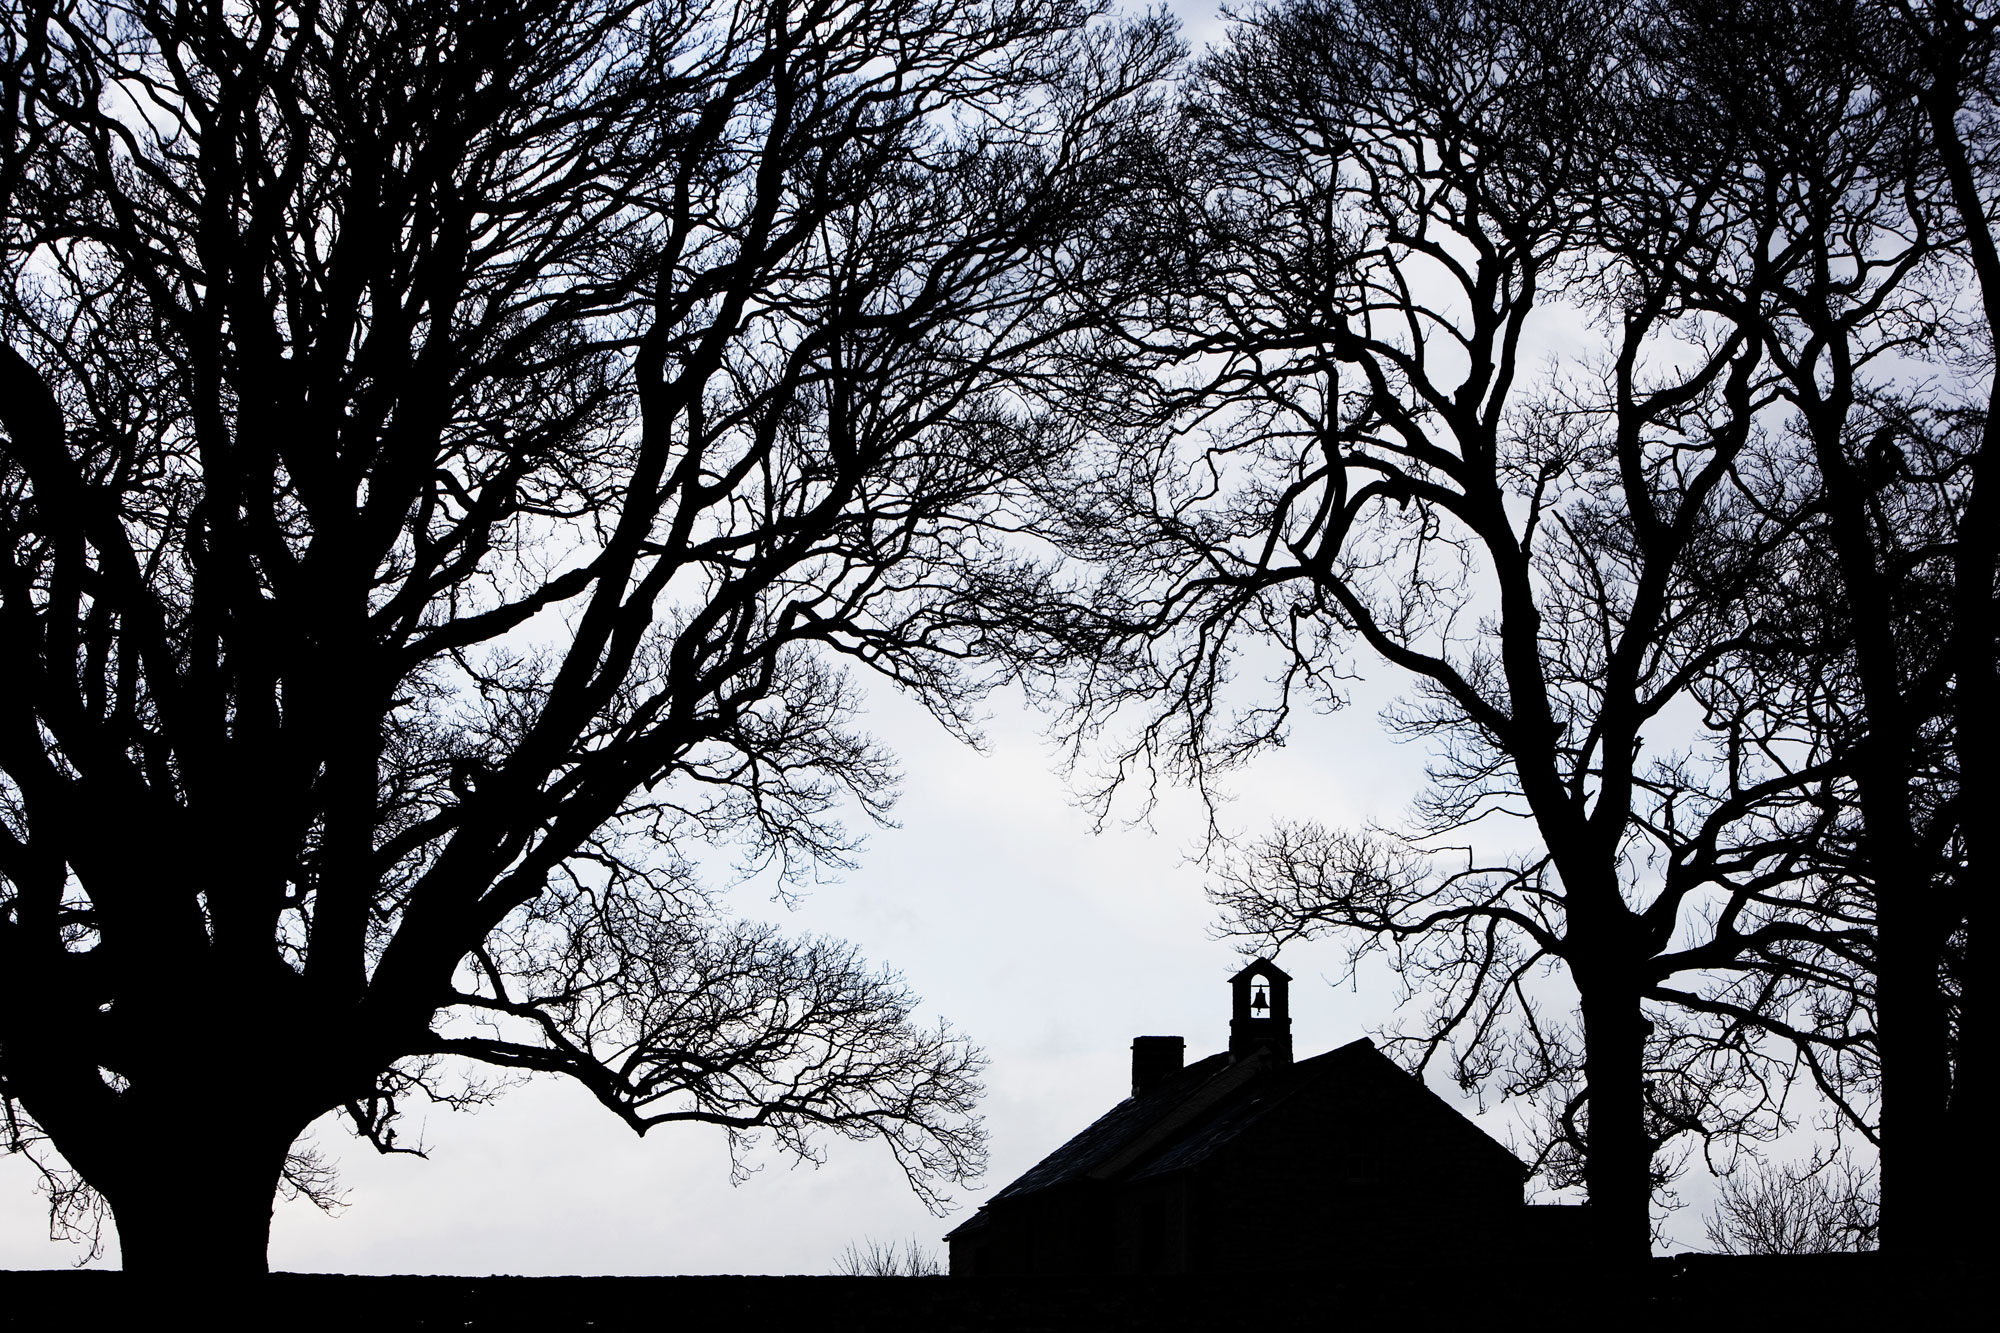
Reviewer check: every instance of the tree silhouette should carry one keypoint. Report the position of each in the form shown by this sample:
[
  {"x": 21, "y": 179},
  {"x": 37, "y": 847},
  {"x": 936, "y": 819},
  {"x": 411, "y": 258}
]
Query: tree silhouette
[
  {"x": 449, "y": 448},
  {"x": 1814, "y": 1207},
  {"x": 874, "y": 1258},
  {"x": 1861, "y": 127},
  {"x": 1389, "y": 207}
]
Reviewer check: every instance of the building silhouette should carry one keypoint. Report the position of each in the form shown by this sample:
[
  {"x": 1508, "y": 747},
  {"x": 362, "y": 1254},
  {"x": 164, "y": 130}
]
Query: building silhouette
[{"x": 1249, "y": 1161}]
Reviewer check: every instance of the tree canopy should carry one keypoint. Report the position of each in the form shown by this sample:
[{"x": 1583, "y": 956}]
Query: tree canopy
[
  {"x": 455, "y": 452},
  {"x": 1613, "y": 376}
]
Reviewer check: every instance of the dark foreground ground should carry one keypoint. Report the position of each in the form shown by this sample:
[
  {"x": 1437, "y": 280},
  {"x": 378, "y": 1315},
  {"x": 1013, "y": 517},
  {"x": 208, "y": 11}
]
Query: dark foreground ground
[{"x": 1845, "y": 1292}]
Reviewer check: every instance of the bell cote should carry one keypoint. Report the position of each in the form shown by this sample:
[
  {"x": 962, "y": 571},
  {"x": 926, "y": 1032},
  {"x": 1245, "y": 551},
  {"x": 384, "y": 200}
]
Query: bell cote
[{"x": 1261, "y": 1012}]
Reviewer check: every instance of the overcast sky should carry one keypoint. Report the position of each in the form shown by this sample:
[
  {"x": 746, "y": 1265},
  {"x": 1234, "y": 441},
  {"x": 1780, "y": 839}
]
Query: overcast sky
[{"x": 1049, "y": 945}]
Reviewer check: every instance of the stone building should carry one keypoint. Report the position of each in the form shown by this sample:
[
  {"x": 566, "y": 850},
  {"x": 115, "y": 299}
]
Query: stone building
[{"x": 1248, "y": 1160}]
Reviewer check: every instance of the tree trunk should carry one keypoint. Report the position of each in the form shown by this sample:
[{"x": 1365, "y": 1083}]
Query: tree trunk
[
  {"x": 193, "y": 1209},
  {"x": 1910, "y": 1013},
  {"x": 1917, "y": 1192},
  {"x": 1965, "y": 1074},
  {"x": 1618, "y": 1162},
  {"x": 1954, "y": 45},
  {"x": 1972, "y": 1231}
]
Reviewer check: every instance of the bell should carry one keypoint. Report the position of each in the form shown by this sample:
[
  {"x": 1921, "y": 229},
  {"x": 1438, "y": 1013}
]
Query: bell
[{"x": 1257, "y": 1000}]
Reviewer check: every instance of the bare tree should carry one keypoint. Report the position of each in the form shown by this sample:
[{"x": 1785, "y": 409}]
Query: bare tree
[
  {"x": 1390, "y": 205},
  {"x": 1822, "y": 1206},
  {"x": 1940, "y": 453},
  {"x": 449, "y": 449},
  {"x": 874, "y": 1258},
  {"x": 1867, "y": 129}
]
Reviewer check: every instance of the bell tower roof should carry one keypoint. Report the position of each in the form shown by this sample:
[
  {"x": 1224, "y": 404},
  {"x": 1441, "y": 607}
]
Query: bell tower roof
[{"x": 1262, "y": 967}]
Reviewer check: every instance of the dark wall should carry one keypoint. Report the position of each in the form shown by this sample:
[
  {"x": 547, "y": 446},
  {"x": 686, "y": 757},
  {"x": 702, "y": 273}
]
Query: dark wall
[{"x": 1848, "y": 1291}]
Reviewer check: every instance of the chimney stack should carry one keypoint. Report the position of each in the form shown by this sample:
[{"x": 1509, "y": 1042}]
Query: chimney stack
[{"x": 1154, "y": 1060}]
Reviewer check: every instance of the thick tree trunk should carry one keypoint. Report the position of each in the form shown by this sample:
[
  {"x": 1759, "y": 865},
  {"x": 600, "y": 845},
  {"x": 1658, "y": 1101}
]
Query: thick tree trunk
[
  {"x": 1965, "y": 1074},
  {"x": 1910, "y": 1010},
  {"x": 1955, "y": 47},
  {"x": 195, "y": 1209},
  {"x": 1972, "y": 1236},
  {"x": 1964, "y": 1071},
  {"x": 1918, "y": 1194},
  {"x": 1618, "y": 1161},
  {"x": 1911, "y": 1021}
]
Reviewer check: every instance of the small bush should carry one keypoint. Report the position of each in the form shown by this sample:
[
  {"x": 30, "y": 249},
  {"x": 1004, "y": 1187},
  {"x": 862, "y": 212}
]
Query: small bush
[
  {"x": 873, "y": 1258},
  {"x": 1821, "y": 1206}
]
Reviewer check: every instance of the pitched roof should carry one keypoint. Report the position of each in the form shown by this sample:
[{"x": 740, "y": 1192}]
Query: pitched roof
[
  {"x": 1185, "y": 1119},
  {"x": 1120, "y": 1127},
  {"x": 1262, "y": 967}
]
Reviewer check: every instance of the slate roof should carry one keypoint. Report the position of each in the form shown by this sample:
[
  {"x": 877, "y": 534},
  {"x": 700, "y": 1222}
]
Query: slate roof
[{"x": 1189, "y": 1117}]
